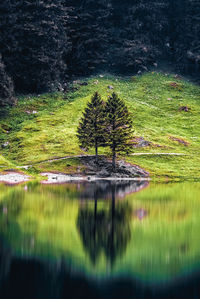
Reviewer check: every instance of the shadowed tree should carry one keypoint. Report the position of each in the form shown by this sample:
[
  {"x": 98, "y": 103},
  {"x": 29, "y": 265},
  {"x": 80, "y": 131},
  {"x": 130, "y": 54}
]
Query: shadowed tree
[
  {"x": 184, "y": 32},
  {"x": 33, "y": 42},
  {"x": 91, "y": 129},
  {"x": 142, "y": 34},
  {"x": 118, "y": 126},
  {"x": 6, "y": 87},
  {"x": 89, "y": 33}
]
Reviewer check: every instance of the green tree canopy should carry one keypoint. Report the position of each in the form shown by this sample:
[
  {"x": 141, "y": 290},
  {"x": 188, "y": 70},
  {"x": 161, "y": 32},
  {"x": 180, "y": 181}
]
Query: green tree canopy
[
  {"x": 119, "y": 127},
  {"x": 91, "y": 129}
]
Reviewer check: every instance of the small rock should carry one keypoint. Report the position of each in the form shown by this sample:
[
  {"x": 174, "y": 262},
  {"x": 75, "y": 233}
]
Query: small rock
[
  {"x": 140, "y": 142},
  {"x": 76, "y": 82},
  {"x": 103, "y": 173},
  {"x": 110, "y": 87},
  {"x": 31, "y": 112},
  {"x": 184, "y": 108},
  {"x": 101, "y": 76},
  {"x": 145, "y": 68},
  {"x": 96, "y": 82},
  {"x": 5, "y": 144}
]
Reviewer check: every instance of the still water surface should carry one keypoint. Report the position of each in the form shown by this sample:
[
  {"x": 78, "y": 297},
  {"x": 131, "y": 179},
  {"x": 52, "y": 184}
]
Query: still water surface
[{"x": 100, "y": 240}]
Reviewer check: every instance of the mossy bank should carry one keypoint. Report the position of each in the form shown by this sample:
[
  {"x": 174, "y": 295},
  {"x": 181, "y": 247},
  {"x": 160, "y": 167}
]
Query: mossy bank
[{"x": 165, "y": 111}]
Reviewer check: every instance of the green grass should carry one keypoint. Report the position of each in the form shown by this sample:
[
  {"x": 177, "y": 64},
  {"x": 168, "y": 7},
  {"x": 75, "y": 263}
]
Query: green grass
[
  {"x": 4, "y": 163},
  {"x": 51, "y": 132},
  {"x": 72, "y": 165}
]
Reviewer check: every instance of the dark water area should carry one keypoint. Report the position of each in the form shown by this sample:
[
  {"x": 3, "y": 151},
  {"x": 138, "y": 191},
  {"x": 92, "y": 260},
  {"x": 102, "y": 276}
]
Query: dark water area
[
  {"x": 100, "y": 240},
  {"x": 32, "y": 279}
]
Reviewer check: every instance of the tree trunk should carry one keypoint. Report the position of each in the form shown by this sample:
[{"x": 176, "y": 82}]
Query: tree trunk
[
  {"x": 96, "y": 151},
  {"x": 114, "y": 158}
]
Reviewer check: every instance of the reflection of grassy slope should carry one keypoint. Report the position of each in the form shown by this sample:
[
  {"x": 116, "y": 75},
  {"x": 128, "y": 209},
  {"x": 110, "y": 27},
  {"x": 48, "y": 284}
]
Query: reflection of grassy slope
[
  {"x": 164, "y": 244},
  {"x": 51, "y": 131}
]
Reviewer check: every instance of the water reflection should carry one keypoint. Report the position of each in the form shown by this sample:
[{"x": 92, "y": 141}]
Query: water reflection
[
  {"x": 103, "y": 189},
  {"x": 100, "y": 241},
  {"x": 33, "y": 279},
  {"x": 105, "y": 230}
]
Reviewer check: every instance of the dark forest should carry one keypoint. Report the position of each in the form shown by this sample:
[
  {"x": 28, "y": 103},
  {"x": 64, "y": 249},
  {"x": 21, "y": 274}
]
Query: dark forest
[{"x": 44, "y": 44}]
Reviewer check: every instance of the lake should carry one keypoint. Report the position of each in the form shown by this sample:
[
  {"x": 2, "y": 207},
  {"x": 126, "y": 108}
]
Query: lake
[{"x": 102, "y": 239}]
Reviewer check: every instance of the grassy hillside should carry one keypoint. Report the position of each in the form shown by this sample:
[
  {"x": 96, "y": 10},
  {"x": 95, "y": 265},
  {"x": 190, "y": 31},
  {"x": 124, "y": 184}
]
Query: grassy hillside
[
  {"x": 4, "y": 163},
  {"x": 44, "y": 126}
]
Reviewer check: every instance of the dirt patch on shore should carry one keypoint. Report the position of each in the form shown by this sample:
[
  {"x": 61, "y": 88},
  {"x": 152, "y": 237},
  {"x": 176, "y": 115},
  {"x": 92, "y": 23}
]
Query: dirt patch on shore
[{"x": 179, "y": 140}]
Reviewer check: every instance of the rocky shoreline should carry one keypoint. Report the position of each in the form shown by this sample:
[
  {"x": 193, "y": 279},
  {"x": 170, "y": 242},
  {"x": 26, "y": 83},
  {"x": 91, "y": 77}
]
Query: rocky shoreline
[
  {"x": 94, "y": 171},
  {"x": 60, "y": 178},
  {"x": 14, "y": 178}
]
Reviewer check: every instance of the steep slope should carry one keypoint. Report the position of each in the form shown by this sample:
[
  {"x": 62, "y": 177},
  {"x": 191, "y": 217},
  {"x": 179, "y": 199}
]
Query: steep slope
[{"x": 165, "y": 114}]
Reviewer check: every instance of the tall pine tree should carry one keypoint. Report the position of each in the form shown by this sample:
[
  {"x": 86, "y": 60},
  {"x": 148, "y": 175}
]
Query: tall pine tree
[
  {"x": 119, "y": 127},
  {"x": 89, "y": 34},
  {"x": 33, "y": 42},
  {"x": 6, "y": 87},
  {"x": 91, "y": 128}
]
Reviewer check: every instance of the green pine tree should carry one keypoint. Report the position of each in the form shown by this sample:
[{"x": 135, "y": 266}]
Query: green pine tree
[
  {"x": 91, "y": 129},
  {"x": 119, "y": 127}
]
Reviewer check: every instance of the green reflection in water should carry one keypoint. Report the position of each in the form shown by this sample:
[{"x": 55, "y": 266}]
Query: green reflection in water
[{"x": 153, "y": 234}]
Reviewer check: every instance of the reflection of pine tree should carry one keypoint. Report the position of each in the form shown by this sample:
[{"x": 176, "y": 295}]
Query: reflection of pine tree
[{"x": 105, "y": 231}]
